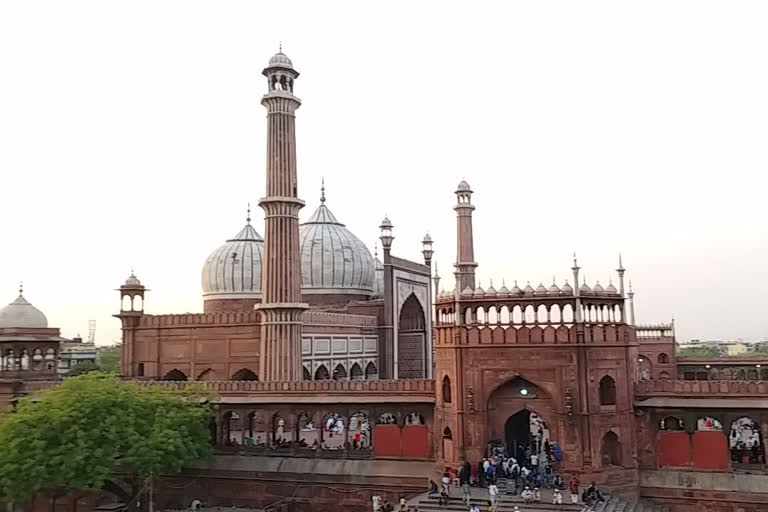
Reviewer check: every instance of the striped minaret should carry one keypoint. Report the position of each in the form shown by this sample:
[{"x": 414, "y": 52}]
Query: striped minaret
[{"x": 281, "y": 305}]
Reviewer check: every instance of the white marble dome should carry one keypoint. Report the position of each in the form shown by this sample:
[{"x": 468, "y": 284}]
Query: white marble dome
[
  {"x": 233, "y": 271},
  {"x": 333, "y": 260},
  {"x": 21, "y": 313}
]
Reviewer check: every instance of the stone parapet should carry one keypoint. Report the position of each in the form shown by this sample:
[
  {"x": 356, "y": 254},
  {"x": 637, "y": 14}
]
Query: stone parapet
[{"x": 701, "y": 388}]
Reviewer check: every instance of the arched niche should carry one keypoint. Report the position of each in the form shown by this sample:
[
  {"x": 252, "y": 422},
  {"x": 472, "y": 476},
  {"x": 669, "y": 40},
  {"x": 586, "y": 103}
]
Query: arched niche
[{"x": 411, "y": 340}]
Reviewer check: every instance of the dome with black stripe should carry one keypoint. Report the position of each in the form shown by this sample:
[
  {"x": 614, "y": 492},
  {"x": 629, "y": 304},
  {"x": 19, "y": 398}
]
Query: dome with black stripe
[
  {"x": 333, "y": 260},
  {"x": 233, "y": 271}
]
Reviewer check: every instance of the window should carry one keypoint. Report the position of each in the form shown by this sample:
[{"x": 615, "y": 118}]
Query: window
[
  {"x": 607, "y": 391},
  {"x": 446, "y": 390},
  {"x": 663, "y": 358},
  {"x": 140, "y": 370}
]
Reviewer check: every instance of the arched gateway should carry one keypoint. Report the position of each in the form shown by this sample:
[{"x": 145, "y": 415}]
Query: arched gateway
[{"x": 517, "y": 420}]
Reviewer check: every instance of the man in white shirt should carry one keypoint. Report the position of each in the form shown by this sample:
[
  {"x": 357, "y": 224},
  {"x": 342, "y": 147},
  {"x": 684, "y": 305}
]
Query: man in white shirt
[
  {"x": 493, "y": 492},
  {"x": 376, "y": 499}
]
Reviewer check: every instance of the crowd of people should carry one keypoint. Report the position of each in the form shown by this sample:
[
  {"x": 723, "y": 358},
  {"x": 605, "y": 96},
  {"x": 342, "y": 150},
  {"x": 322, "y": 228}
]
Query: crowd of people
[{"x": 521, "y": 480}]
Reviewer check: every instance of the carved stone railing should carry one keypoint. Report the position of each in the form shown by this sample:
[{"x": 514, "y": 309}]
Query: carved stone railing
[
  {"x": 188, "y": 319},
  {"x": 702, "y": 388},
  {"x": 346, "y": 387}
]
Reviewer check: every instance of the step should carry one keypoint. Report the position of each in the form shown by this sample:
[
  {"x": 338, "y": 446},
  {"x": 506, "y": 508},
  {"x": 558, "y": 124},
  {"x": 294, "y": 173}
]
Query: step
[{"x": 503, "y": 506}]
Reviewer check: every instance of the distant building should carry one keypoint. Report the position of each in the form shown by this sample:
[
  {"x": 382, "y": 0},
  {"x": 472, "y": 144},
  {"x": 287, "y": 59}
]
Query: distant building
[{"x": 74, "y": 352}]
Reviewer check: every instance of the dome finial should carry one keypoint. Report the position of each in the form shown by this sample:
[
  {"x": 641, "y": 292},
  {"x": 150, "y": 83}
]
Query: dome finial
[
  {"x": 376, "y": 250},
  {"x": 21, "y": 288},
  {"x": 248, "y": 217},
  {"x": 280, "y": 46},
  {"x": 322, "y": 190}
]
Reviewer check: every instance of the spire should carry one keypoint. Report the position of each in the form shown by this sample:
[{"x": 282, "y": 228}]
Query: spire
[
  {"x": 621, "y": 267},
  {"x": 280, "y": 47},
  {"x": 376, "y": 250},
  {"x": 248, "y": 217},
  {"x": 322, "y": 190},
  {"x": 21, "y": 288}
]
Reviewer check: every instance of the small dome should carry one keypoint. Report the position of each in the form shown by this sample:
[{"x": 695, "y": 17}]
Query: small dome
[
  {"x": 21, "y": 313},
  {"x": 333, "y": 260},
  {"x": 463, "y": 187},
  {"x": 132, "y": 280},
  {"x": 233, "y": 271},
  {"x": 386, "y": 223},
  {"x": 503, "y": 291},
  {"x": 467, "y": 291},
  {"x": 611, "y": 289},
  {"x": 516, "y": 291},
  {"x": 584, "y": 288},
  {"x": 598, "y": 288},
  {"x": 567, "y": 289},
  {"x": 540, "y": 290},
  {"x": 529, "y": 290},
  {"x": 553, "y": 290},
  {"x": 491, "y": 290},
  {"x": 479, "y": 292},
  {"x": 280, "y": 60}
]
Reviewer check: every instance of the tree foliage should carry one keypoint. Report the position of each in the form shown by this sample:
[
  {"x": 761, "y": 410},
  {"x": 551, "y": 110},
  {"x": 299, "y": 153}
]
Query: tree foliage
[
  {"x": 83, "y": 367},
  {"x": 704, "y": 351},
  {"x": 82, "y": 433},
  {"x": 108, "y": 357}
]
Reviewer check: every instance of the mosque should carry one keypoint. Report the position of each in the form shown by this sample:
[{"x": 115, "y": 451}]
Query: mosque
[{"x": 342, "y": 375}]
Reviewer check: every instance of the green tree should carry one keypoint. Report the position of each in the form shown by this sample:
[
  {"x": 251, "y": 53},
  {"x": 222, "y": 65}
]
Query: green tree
[
  {"x": 699, "y": 352},
  {"x": 83, "y": 367},
  {"x": 108, "y": 357},
  {"x": 88, "y": 430}
]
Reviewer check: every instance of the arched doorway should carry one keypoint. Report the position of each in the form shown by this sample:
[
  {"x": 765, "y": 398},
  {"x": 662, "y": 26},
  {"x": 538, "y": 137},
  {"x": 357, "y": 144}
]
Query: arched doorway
[
  {"x": 411, "y": 340},
  {"x": 517, "y": 434},
  {"x": 517, "y": 414}
]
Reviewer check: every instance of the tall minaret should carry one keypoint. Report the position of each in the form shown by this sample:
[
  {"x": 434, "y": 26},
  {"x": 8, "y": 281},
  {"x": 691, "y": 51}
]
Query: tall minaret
[
  {"x": 465, "y": 247},
  {"x": 281, "y": 296}
]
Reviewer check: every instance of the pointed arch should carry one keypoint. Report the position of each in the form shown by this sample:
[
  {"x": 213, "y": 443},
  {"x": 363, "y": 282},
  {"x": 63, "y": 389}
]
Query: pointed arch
[
  {"x": 322, "y": 373},
  {"x": 371, "y": 372},
  {"x": 610, "y": 449},
  {"x": 339, "y": 373},
  {"x": 663, "y": 358},
  {"x": 175, "y": 374},
  {"x": 356, "y": 372},
  {"x": 207, "y": 375},
  {"x": 607, "y": 391},
  {"x": 245, "y": 374},
  {"x": 305, "y": 373},
  {"x": 446, "y": 390},
  {"x": 411, "y": 340}
]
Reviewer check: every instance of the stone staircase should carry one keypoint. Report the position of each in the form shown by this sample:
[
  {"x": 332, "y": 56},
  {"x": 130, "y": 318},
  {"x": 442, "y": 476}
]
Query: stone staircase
[{"x": 507, "y": 502}]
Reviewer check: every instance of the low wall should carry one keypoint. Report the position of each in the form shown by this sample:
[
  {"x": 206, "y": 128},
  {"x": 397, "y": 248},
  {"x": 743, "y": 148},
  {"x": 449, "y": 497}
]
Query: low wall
[
  {"x": 316, "y": 485},
  {"x": 693, "y": 491}
]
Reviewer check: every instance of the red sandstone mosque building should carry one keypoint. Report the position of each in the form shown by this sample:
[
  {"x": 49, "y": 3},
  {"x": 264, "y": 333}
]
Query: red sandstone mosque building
[{"x": 338, "y": 371}]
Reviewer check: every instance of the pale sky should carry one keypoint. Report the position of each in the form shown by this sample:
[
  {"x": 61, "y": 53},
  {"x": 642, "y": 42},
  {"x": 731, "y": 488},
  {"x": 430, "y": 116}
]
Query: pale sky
[{"x": 132, "y": 135}]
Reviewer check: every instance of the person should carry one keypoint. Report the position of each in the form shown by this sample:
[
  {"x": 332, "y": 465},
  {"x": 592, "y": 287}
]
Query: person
[
  {"x": 557, "y": 497},
  {"x": 527, "y": 495},
  {"x": 491, "y": 507},
  {"x": 536, "y": 495},
  {"x": 474, "y": 508},
  {"x": 535, "y": 462},
  {"x": 592, "y": 496},
  {"x": 573, "y": 488},
  {"x": 481, "y": 473},
  {"x": 557, "y": 482},
  {"x": 432, "y": 488},
  {"x": 443, "y": 500},
  {"x": 446, "y": 480},
  {"x": 465, "y": 474},
  {"x": 403, "y": 504},
  {"x": 196, "y": 503},
  {"x": 493, "y": 492},
  {"x": 490, "y": 474},
  {"x": 376, "y": 500},
  {"x": 388, "y": 507}
]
